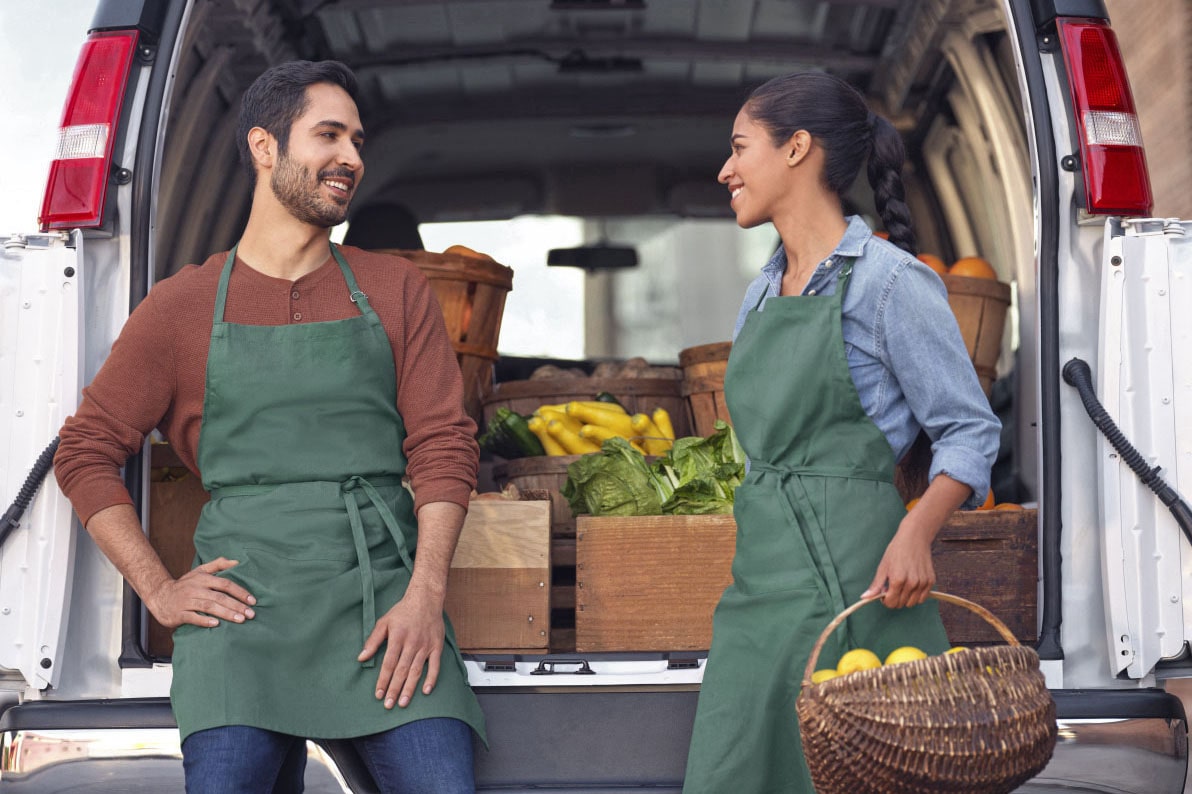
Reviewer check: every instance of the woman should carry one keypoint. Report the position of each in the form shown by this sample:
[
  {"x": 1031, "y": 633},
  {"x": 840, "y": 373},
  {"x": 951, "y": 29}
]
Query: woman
[{"x": 844, "y": 349}]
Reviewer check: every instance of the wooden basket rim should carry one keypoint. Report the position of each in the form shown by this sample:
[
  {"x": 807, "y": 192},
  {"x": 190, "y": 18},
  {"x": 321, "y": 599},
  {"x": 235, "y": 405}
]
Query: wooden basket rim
[
  {"x": 622, "y": 387},
  {"x": 702, "y": 354},
  {"x": 948, "y": 598},
  {"x": 980, "y": 287}
]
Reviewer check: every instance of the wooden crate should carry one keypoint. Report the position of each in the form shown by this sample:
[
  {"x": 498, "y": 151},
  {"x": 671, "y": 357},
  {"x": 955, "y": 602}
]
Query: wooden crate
[
  {"x": 651, "y": 583},
  {"x": 990, "y": 557},
  {"x": 545, "y": 475},
  {"x": 498, "y": 594}
]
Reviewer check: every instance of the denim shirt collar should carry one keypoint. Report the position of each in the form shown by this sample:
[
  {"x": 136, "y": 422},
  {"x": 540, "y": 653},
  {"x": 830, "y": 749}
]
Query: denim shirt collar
[{"x": 851, "y": 245}]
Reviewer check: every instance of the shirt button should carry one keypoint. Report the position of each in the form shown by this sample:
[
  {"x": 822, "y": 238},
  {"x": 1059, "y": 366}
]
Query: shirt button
[
  {"x": 810, "y": 292},
  {"x": 294, "y": 294},
  {"x": 297, "y": 315}
]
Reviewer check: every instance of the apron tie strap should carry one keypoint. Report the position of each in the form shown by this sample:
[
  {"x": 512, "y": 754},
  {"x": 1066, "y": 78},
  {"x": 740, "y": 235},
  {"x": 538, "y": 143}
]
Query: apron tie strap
[
  {"x": 367, "y": 590},
  {"x": 808, "y": 529}
]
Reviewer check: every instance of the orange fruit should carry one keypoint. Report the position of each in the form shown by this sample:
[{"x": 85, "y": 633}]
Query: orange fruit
[
  {"x": 988, "y": 503},
  {"x": 933, "y": 262},
  {"x": 973, "y": 267},
  {"x": 463, "y": 250},
  {"x": 1007, "y": 506}
]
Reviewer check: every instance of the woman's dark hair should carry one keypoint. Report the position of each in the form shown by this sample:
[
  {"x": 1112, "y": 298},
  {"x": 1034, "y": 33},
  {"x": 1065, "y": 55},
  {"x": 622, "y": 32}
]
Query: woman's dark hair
[
  {"x": 836, "y": 116},
  {"x": 278, "y": 97}
]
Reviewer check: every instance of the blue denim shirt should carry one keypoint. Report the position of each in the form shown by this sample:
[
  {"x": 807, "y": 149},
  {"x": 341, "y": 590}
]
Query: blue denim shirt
[{"x": 905, "y": 353}]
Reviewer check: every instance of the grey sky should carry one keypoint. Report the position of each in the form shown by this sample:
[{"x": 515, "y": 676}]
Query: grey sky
[{"x": 41, "y": 44}]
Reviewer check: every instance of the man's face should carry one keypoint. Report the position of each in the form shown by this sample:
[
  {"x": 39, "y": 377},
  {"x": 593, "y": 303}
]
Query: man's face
[{"x": 317, "y": 175}]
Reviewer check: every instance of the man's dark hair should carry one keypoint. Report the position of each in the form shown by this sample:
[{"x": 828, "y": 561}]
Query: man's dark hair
[{"x": 278, "y": 97}]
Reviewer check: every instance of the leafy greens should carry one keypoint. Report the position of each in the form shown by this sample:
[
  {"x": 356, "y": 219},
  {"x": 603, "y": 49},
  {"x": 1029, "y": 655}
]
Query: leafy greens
[{"x": 697, "y": 476}]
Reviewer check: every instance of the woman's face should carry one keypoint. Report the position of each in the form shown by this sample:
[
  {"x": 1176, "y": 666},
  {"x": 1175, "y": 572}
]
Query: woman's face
[{"x": 756, "y": 173}]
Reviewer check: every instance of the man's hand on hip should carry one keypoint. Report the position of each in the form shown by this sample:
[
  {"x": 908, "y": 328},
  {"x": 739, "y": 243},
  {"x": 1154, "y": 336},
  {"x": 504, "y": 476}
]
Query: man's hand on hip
[{"x": 201, "y": 598}]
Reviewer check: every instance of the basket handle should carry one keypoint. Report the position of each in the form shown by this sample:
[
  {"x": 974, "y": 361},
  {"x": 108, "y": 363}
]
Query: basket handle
[{"x": 977, "y": 609}]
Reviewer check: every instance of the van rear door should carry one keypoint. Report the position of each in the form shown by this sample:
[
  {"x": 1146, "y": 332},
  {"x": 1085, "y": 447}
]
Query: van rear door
[
  {"x": 1144, "y": 381},
  {"x": 41, "y": 311}
]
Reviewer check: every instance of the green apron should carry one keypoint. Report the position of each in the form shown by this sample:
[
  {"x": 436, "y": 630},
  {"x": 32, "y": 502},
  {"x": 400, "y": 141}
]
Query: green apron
[
  {"x": 301, "y": 450},
  {"x": 814, "y": 516}
]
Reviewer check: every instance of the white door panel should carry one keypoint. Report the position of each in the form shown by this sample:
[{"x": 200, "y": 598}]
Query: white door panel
[
  {"x": 40, "y": 376},
  {"x": 1145, "y": 385}
]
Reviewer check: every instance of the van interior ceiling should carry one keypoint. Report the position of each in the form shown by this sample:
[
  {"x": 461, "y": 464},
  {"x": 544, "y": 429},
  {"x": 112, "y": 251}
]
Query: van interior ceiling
[{"x": 490, "y": 110}]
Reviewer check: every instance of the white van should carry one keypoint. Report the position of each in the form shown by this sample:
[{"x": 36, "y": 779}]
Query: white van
[{"x": 610, "y": 118}]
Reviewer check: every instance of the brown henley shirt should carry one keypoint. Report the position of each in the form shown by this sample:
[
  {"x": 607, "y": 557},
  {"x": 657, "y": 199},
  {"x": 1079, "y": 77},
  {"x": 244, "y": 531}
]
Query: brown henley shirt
[{"x": 156, "y": 373}]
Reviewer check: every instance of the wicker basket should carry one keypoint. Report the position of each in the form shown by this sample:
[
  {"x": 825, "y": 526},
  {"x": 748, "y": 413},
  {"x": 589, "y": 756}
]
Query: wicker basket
[{"x": 977, "y": 721}]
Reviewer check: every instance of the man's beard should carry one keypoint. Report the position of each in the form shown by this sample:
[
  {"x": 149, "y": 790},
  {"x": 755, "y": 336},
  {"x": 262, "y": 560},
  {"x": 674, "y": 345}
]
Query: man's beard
[{"x": 298, "y": 192}]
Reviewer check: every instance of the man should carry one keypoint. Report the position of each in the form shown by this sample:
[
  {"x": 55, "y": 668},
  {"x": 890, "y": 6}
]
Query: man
[{"x": 302, "y": 382}]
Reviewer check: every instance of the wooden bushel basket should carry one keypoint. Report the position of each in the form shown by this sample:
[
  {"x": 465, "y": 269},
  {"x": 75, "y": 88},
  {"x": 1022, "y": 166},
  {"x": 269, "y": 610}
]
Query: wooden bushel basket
[
  {"x": 472, "y": 293},
  {"x": 980, "y": 307},
  {"x": 977, "y": 721},
  {"x": 703, "y": 384}
]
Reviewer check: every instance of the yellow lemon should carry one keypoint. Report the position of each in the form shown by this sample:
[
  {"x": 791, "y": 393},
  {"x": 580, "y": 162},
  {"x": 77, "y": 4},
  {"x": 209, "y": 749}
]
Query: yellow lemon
[
  {"x": 957, "y": 649},
  {"x": 823, "y": 675},
  {"x": 857, "y": 659},
  {"x": 906, "y": 653}
]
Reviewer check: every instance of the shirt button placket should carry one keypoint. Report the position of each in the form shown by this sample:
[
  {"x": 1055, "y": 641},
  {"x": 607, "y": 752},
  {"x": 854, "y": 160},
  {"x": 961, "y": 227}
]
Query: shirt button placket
[{"x": 293, "y": 297}]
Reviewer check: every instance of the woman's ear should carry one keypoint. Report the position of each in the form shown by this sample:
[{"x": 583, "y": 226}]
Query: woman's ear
[
  {"x": 797, "y": 148},
  {"x": 262, "y": 147}
]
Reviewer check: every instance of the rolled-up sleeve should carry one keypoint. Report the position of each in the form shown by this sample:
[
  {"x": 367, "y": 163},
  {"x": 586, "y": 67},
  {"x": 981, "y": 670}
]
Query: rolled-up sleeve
[
  {"x": 921, "y": 344},
  {"x": 443, "y": 456}
]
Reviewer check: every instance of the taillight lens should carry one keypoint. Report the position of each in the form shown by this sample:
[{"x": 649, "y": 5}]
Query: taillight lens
[
  {"x": 79, "y": 173},
  {"x": 1116, "y": 181}
]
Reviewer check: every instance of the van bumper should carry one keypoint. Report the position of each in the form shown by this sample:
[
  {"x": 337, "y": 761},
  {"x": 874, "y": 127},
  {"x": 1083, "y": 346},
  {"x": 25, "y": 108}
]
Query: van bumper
[{"x": 1126, "y": 742}]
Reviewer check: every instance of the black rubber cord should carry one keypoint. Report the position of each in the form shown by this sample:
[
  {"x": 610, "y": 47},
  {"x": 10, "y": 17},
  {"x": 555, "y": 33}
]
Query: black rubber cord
[
  {"x": 1078, "y": 375},
  {"x": 12, "y": 516}
]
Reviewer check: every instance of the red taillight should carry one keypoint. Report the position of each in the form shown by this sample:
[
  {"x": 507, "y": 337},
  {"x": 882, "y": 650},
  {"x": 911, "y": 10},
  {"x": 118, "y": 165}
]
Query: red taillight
[
  {"x": 1116, "y": 181},
  {"x": 79, "y": 173}
]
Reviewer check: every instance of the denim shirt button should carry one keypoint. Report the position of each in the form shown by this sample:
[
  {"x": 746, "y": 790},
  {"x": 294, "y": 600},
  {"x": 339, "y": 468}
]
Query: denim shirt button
[{"x": 810, "y": 292}]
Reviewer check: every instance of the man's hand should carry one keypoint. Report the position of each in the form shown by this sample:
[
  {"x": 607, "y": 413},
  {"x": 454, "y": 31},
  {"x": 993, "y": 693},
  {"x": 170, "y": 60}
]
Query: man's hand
[
  {"x": 201, "y": 598},
  {"x": 413, "y": 633}
]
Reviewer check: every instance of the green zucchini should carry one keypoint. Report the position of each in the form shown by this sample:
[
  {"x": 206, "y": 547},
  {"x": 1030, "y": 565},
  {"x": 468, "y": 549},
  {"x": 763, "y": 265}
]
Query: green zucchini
[
  {"x": 605, "y": 397},
  {"x": 509, "y": 436}
]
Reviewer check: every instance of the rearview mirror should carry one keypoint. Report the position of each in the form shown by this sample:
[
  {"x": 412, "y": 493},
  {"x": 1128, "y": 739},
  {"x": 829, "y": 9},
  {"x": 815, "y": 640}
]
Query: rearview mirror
[{"x": 593, "y": 257}]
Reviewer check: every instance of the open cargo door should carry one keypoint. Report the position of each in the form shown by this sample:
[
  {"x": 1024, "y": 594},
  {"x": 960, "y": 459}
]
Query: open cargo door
[
  {"x": 1144, "y": 380},
  {"x": 40, "y": 377}
]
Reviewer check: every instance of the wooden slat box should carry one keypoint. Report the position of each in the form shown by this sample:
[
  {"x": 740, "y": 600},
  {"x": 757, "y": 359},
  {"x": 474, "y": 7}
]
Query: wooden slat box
[
  {"x": 651, "y": 583},
  {"x": 991, "y": 557},
  {"x": 498, "y": 593}
]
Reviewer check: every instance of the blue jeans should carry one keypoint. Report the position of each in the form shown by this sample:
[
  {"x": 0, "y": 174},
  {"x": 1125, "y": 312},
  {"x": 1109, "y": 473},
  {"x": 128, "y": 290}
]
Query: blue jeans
[{"x": 431, "y": 756}]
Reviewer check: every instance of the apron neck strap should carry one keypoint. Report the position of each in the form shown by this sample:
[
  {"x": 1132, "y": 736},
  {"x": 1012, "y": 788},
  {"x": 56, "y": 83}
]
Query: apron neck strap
[
  {"x": 221, "y": 295},
  {"x": 225, "y": 276},
  {"x": 354, "y": 292}
]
